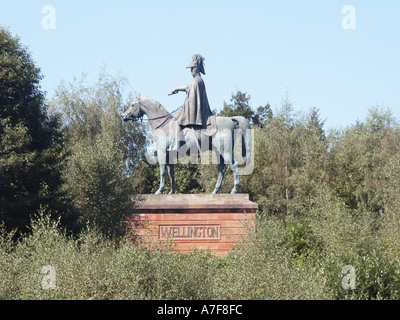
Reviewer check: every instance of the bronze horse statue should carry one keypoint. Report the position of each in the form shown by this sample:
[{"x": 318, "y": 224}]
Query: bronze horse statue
[{"x": 221, "y": 141}]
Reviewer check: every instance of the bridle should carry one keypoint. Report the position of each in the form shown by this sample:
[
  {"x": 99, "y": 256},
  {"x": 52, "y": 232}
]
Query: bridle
[{"x": 166, "y": 116}]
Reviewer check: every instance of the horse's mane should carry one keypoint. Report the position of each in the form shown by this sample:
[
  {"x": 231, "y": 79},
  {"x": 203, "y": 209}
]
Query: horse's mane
[
  {"x": 153, "y": 101},
  {"x": 156, "y": 104}
]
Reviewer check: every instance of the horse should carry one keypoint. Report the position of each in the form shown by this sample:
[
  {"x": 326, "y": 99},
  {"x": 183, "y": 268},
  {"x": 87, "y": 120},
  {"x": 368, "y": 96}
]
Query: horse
[{"x": 164, "y": 128}]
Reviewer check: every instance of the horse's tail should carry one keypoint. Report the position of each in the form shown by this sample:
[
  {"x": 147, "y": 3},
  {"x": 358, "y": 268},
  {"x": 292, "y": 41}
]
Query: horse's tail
[{"x": 245, "y": 131}]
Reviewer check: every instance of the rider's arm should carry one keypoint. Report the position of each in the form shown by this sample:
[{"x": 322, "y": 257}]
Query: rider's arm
[{"x": 176, "y": 90}]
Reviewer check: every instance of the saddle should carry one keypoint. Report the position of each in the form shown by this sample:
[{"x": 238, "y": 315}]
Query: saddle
[{"x": 210, "y": 129}]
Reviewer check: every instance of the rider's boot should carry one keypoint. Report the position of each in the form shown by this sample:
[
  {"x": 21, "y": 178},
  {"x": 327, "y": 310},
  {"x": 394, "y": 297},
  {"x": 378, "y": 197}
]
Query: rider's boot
[
  {"x": 173, "y": 146},
  {"x": 174, "y": 139}
]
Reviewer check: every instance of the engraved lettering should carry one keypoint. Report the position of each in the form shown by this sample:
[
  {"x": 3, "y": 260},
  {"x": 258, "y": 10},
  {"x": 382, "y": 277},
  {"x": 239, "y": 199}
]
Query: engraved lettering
[{"x": 189, "y": 232}]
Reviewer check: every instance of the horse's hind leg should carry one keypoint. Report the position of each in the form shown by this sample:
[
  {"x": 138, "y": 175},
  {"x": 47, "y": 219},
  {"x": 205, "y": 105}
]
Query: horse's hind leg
[
  {"x": 221, "y": 173},
  {"x": 170, "y": 170},
  {"x": 162, "y": 179},
  {"x": 235, "y": 168}
]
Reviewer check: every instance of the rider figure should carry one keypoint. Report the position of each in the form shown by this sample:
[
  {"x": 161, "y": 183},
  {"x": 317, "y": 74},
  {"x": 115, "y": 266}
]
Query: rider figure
[{"x": 196, "y": 110}]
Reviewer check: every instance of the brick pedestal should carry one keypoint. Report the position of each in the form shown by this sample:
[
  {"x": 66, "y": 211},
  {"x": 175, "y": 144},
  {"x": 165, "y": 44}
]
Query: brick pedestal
[{"x": 204, "y": 222}]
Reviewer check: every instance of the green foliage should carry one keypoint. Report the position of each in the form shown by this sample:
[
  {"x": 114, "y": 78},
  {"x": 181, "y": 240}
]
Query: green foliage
[
  {"x": 31, "y": 150},
  {"x": 186, "y": 178},
  {"x": 95, "y": 180},
  {"x": 327, "y": 200},
  {"x": 360, "y": 157},
  {"x": 300, "y": 238},
  {"x": 262, "y": 268},
  {"x": 91, "y": 266},
  {"x": 103, "y": 152},
  {"x": 377, "y": 275},
  {"x": 277, "y": 260},
  {"x": 291, "y": 162},
  {"x": 240, "y": 106}
]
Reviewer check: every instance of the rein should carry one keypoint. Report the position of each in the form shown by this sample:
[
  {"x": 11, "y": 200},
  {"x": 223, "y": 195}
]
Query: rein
[{"x": 160, "y": 117}]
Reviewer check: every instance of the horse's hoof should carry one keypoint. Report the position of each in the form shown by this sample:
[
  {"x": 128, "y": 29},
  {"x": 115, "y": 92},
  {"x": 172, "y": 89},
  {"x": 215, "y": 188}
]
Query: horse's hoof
[
  {"x": 215, "y": 192},
  {"x": 234, "y": 191},
  {"x": 158, "y": 192},
  {"x": 172, "y": 192}
]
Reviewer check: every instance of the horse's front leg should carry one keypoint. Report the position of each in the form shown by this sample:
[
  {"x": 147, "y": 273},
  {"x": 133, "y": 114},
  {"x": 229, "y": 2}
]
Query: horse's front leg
[
  {"x": 170, "y": 168},
  {"x": 221, "y": 173},
  {"x": 162, "y": 179},
  {"x": 162, "y": 160}
]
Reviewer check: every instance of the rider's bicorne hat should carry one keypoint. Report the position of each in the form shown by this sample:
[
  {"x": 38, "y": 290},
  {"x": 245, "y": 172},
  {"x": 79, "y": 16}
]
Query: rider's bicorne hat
[{"x": 197, "y": 61}]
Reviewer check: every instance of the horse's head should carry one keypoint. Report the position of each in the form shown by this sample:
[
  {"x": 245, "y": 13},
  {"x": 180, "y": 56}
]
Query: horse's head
[{"x": 134, "y": 112}]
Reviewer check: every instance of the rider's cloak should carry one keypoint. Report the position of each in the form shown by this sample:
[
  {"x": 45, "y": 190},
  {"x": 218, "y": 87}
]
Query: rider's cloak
[{"x": 196, "y": 110}]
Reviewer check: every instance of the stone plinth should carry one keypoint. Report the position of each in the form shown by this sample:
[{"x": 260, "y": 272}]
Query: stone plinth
[{"x": 204, "y": 222}]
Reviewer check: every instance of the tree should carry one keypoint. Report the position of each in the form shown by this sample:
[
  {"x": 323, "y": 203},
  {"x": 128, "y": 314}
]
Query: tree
[
  {"x": 103, "y": 151},
  {"x": 30, "y": 140},
  {"x": 263, "y": 115},
  {"x": 291, "y": 161},
  {"x": 240, "y": 106},
  {"x": 360, "y": 156}
]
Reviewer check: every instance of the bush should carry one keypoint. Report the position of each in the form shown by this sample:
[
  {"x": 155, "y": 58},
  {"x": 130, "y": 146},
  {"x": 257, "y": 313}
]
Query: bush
[
  {"x": 377, "y": 275},
  {"x": 262, "y": 268},
  {"x": 276, "y": 261},
  {"x": 93, "y": 267}
]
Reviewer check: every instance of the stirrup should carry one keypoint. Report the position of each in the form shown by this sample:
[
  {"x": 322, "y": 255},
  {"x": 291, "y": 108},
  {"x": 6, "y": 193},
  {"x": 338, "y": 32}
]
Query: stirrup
[{"x": 174, "y": 148}]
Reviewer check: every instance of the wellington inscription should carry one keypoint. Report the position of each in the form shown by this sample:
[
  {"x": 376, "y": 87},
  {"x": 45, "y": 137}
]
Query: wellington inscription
[{"x": 189, "y": 232}]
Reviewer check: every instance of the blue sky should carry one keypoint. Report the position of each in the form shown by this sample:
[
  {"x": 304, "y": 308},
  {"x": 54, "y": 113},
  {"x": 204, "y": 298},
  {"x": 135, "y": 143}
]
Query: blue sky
[{"x": 262, "y": 47}]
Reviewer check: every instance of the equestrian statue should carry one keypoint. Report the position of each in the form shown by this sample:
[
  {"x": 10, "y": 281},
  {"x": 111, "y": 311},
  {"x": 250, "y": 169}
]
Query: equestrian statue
[{"x": 194, "y": 129}]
